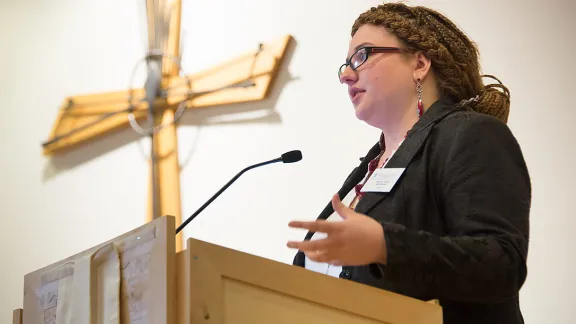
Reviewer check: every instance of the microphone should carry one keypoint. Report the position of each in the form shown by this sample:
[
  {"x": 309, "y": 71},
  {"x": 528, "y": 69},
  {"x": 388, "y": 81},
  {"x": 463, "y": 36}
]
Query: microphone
[{"x": 288, "y": 157}]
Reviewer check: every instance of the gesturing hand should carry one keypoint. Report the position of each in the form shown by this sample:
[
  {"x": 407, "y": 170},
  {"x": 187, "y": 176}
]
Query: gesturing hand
[{"x": 357, "y": 240}]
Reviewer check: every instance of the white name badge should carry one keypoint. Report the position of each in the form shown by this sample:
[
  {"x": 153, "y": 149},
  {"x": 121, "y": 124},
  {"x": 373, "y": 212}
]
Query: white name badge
[{"x": 382, "y": 180}]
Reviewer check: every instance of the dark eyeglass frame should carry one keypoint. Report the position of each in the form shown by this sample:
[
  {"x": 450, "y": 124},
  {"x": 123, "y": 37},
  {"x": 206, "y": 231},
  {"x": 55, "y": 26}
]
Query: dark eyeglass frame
[{"x": 369, "y": 51}]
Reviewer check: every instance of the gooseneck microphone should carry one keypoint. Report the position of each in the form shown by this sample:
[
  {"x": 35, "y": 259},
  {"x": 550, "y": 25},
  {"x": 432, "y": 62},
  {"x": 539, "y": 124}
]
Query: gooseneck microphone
[{"x": 288, "y": 157}]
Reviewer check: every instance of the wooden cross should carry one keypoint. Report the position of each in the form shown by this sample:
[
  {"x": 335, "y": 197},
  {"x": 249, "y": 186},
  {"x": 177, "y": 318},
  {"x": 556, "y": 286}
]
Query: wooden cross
[{"x": 155, "y": 109}]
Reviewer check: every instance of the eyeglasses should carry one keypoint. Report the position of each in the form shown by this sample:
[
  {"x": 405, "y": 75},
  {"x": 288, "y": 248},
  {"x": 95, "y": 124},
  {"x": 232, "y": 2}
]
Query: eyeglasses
[{"x": 362, "y": 54}]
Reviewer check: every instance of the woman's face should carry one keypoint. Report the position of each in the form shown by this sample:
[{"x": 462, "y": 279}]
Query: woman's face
[{"x": 384, "y": 85}]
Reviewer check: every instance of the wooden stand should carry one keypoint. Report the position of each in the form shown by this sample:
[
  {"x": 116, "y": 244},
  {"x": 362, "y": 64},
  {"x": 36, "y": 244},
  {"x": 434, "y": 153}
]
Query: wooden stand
[{"x": 139, "y": 278}]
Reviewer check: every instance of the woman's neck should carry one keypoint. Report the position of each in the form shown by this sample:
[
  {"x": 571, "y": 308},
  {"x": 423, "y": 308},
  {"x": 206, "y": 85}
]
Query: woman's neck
[{"x": 395, "y": 132}]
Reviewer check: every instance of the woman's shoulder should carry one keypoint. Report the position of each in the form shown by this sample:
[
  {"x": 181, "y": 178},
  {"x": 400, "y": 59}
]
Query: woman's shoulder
[
  {"x": 465, "y": 120},
  {"x": 471, "y": 134},
  {"x": 473, "y": 126}
]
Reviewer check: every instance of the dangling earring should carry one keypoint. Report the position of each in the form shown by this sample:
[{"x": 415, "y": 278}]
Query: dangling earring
[{"x": 420, "y": 110}]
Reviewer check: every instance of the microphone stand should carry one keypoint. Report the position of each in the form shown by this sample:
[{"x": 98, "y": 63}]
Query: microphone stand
[{"x": 189, "y": 219}]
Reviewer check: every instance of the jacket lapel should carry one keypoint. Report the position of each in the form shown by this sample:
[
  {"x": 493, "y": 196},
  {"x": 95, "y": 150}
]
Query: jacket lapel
[
  {"x": 405, "y": 153},
  {"x": 409, "y": 148},
  {"x": 353, "y": 179}
]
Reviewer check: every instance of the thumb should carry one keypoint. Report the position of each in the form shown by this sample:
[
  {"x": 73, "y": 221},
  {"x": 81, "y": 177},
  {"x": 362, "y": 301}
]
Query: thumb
[{"x": 342, "y": 210}]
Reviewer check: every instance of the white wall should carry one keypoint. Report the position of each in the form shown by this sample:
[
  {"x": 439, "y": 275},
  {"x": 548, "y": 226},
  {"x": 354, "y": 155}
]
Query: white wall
[{"x": 52, "y": 49}]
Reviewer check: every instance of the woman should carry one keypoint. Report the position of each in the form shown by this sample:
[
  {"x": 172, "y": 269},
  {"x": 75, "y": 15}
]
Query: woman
[{"x": 441, "y": 206}]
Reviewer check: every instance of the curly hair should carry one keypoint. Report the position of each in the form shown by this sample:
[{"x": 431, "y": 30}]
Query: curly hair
[{"x": 454, "y": 56}]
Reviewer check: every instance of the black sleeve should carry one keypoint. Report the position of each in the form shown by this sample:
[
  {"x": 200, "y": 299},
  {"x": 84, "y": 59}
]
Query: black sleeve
[{"x": 486, "y": 195}]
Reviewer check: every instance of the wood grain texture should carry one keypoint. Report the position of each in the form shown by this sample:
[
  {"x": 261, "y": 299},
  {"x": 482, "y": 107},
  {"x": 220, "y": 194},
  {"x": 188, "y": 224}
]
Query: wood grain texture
[
  {"x": 166, "y": 140},
  {"x": 85, "y": 118},
  {"x": 168, "y": 168},
  {"x": 229, "y": 286}
]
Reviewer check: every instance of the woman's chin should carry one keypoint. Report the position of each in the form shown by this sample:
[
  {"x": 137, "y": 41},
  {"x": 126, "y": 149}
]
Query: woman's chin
[{"x": 362, "y": 112}]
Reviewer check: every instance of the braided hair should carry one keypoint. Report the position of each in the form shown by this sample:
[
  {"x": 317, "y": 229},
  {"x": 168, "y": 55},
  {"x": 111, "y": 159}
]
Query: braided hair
[{"x": 454, "y": 56}]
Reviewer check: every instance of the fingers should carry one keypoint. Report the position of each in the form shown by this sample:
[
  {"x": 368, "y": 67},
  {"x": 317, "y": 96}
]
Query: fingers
[
  {"x": 316, "y": 226},
  {"x": 326, "y": 250},
  {"x": 323, "y": 256},
  {"x": 311, "y": 246},
  {"x": 340, "y": 208},
  {"x": 329, "y": 249}
]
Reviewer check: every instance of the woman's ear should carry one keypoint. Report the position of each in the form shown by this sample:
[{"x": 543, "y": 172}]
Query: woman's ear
[{"x": 422, "y": 66}]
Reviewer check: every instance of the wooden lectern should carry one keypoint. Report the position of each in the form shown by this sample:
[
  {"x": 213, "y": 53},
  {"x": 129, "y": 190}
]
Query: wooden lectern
[{"x": 139, "y": 278}]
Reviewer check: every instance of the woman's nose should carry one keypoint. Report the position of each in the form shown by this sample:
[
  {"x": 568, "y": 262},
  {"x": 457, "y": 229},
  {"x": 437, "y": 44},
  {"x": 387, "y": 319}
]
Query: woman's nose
[{"x": 348, "y": 75}]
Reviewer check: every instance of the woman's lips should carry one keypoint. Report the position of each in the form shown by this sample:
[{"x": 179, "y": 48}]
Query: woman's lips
[{"x": 355, "y": 96}]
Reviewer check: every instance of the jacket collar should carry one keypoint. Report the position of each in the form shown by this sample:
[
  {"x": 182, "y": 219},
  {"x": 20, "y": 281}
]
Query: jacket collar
[
  {"x": 416, "y": 136},
  {"x": 410, "y": 147},
  {"x": 438, "y": 110}
]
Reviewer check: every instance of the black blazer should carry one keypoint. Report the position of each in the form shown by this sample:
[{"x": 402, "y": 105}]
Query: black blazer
[{"x": 456, "y": 223}]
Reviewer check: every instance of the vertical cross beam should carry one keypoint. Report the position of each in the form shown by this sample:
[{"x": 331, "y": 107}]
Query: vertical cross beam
[{"x": 164, "y": 181}]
